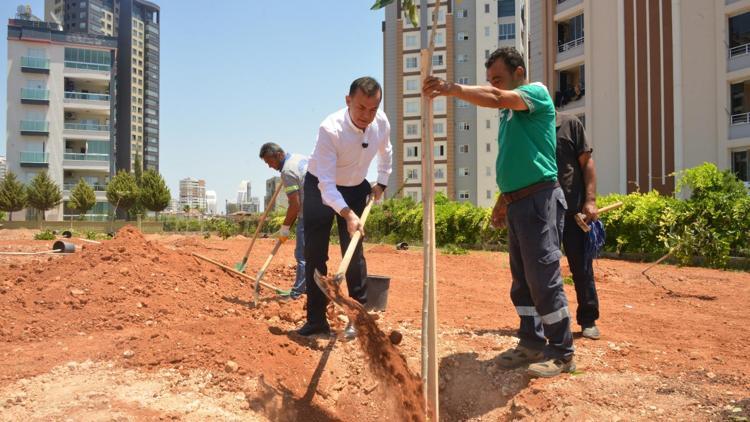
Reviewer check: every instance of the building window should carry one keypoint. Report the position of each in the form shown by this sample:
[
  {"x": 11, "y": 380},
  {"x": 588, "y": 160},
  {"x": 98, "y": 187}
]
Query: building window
[
  {"x": 463, "y": 171},
  {"x": 463, "y": 36},
  {"x": 488, "y": 171},
  {"x": 463, "y": 126},
  {"x": 412, "y": 129},
  {"x": 463, "y": 194},
  {"x": 411, "y": 62},
  {"x": 463, "y": 81},
  {"x": 410, "y": 42},
  {"x": 439, "y": 174},
  {"x": 412, "y": 107},
  {"x": 438, "y": 128},
  {"x": 462, "y": 104},
  {"x": 488, "y": 147},
  {"x": 506, "y": 8},
  {"x": 486, "y": 8},
  {"x": 412, "y": 151},
  {"x": 438, "y": 105},
  {"x": 462, "y": 13},
  {"x": 439, "y": 39},
  {"x": 488, "y": 124},
  {"x": 486, "y": 31},
  {"x": 506, "y": 31},
  {"x": 412, "y": 174},
  {"x": 739, "y": 165},
  {"x": 439, "y": 151},
  {"x": 437, "y": 60},
  {"x": 486, "y": 54},
  {"x": 464, "y": 149},
  {"x": 462, "y": 58}
]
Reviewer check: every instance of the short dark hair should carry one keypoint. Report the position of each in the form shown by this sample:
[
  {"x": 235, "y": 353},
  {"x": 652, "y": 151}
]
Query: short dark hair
[
  {"x": 270, "y": 148},
  {"x": 369, "y": 86},
  {"x": 510, "y": 56}
]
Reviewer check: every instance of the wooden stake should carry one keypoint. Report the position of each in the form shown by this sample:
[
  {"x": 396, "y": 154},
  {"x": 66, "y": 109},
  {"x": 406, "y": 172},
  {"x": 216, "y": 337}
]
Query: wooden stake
[
  {"x": 237, "y": 273},
  {"x": 429, "y": 304},
  {"x": 243, "y": 264}
]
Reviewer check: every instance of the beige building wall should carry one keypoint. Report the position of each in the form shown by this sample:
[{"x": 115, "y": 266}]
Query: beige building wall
[{"x": 657, "y": 84}]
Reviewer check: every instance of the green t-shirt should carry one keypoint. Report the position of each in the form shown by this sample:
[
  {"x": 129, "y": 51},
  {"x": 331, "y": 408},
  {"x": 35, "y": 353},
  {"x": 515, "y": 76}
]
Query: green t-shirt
[{"x": 527, "y": 141}]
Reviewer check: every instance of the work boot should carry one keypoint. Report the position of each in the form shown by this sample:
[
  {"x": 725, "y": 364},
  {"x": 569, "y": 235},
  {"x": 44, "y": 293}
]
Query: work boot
[
  {"x": 513, "y": 358},
  {"x": 591, "y": 332},
  {"x": 350, "y": 333},
  {"x": 551, "y": 368},
  {"x": 308, "y": 330}
]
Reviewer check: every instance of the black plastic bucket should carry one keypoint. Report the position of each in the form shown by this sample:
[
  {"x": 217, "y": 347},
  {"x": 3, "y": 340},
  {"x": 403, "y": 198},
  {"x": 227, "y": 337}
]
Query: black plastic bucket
[
  {"x": 377, "y": 292},
  {"x": 64, "y": 247},
  {"x": 67, "y": 234}
]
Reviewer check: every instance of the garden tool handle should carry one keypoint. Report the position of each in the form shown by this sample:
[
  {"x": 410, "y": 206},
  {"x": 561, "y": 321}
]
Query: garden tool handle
[
  {"x": 355, "y": 238},
  {"x": 261, "y": 221}
]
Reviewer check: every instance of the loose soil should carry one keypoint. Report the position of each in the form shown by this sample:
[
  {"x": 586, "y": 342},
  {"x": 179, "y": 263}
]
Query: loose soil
[{"x": 138, "y": 329}]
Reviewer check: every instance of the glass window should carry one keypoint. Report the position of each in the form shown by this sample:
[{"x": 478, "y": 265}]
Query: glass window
[
  {"x": 506, "y": 31},
  {"x": 739, "y": 165},
  {"x": 739, "y": 30},
  {"x": 486, "y": 8},
  {"x": 506, "y": 8},
  {"x": 412, "y": 84},
  {"x": 462, "y": 58},
  {"x": 411, "y": 62},
  {"x": 464, "y": 149},
  {"x": 437, "y": 60}
]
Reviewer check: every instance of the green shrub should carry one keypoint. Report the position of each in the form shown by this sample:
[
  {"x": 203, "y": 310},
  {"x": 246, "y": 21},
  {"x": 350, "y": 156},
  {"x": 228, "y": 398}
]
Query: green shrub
[{"x": 45, "y": 235}]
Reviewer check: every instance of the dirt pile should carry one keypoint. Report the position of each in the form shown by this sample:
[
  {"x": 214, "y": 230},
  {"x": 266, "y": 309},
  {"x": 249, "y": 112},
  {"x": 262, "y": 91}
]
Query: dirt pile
[
  {"x": 384, "y": 359},
  {"x": 121, "y": 282}
]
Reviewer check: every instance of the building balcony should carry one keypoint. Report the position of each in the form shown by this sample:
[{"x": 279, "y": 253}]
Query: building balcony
[
  {"x": 739, "y": 57},
  {"x": 87, "y": 101},
  {"x": 34, "y": 127},
  {"x": 94, "y": 162},
  {"x": 69, "y": 186},
  {"x": 34, "y": 159},
  {"x": 34, "y": 96},
  {"x": 88, "y": 71},
  {"x": 87, "y": 130},
  {"x": 34, "y": 64},
  {"x": 570, "y": 50},
  {"x": 739, "y": 126}
]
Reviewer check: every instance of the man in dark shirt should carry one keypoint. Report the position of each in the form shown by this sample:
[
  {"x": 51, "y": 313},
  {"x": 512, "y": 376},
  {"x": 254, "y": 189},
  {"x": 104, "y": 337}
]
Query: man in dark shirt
[{"x": 577, "y": 176}]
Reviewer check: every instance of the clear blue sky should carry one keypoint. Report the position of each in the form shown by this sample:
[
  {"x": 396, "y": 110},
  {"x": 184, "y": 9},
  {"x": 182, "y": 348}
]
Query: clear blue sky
[{"x": 238, "y": 73}]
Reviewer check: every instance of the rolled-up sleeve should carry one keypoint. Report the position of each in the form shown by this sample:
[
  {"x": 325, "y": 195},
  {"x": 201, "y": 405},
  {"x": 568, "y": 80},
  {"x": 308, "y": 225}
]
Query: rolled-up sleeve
[
  {"x": 385, "y": 156},
  {"x": 325, "y": 152}
]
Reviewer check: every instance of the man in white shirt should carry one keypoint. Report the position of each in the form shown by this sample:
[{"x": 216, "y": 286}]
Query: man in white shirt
[{"x": 335, "y": 186}]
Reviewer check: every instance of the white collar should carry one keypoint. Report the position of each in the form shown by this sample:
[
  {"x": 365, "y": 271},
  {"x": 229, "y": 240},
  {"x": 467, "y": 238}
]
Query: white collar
[{"x": 348, "y": 120}]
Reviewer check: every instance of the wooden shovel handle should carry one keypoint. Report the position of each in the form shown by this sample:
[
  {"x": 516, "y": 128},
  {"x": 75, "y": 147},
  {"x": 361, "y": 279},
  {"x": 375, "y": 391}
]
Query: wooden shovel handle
[
  {"x": 261, "y": 221},
  {"x": 355, "y": 239},
  {"x": 609, "y": 207}
]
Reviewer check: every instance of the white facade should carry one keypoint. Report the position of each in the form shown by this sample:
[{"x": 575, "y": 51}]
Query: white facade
[
  {"x": 58, "y": 110},
  {"x": 193, "y": 193},
  {"x": 211, "y": 202}
]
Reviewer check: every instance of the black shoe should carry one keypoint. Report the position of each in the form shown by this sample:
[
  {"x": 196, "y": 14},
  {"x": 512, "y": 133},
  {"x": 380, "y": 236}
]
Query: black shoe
[
  {"x": 350, "y": 333},
  {"x": 311, "y": 329}
]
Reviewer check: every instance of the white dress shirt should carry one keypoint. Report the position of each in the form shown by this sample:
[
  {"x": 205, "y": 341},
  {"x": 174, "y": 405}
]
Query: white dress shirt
[{"x": 339, "y": 159}]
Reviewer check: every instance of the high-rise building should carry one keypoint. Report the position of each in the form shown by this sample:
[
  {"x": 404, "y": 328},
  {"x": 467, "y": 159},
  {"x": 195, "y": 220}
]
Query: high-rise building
[
  {"x": 465, "y": 136},
  {"x": 135, "y": 24},
  {"x": 282, "y": 202},
  {"x": 3, "y": 168},
  {"x": 193, "y": 193},
  {"x": 661, "y": 85},
  {"x": 59, "y": 108},
  {"x": 211, "y": 202}
]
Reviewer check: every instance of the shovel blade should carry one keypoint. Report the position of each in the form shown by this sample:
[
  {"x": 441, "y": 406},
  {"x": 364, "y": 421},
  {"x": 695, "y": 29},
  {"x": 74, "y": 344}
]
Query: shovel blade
[
  {"x": 240, "y": 266},
  {"x": 329, "y": 286}
]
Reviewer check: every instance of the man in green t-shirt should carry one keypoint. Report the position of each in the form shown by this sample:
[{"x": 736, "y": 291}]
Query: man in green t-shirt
[{"x": 532, "y": 205}]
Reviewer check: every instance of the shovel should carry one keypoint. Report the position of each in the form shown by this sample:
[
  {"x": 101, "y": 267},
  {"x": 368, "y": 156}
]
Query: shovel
[
  {"x": 240, "y": 266},
  {"x": 262, "y": 272},
  {"x": 331, "y": 286}
]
